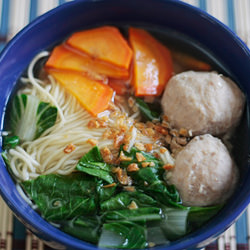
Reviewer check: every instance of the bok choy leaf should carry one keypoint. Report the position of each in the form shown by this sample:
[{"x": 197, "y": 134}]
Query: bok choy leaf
[
  {"x": 139, "y": 214},
  {"x": 132, "y": 154},
  {"x": 147, "y": 113},
  {"x": 94, "y": 155},
  {"x": 124, "y": 199},
  {"x": 62, "y": 197},
  {"x": 10, "y": 142},
  {"x": 199, "y": 215},
  {"x": 88, "y": 207},
  {"x": 29, "y": 117},
  {"x": 175, "y": 223},
  {"x": 155, "y": 187},
  {"x": 83, "y": 227},
  {"x": 152, "y": 177},
  {"x": 156, "y": 236},
  {"x": 93, "y": 164},
  {"x": 105, "y": 192},
  {"x": 123, "y": 235}
]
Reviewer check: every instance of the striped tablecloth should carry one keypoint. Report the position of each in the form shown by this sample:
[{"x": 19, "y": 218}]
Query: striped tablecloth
[{"x": 15, "y": 14}]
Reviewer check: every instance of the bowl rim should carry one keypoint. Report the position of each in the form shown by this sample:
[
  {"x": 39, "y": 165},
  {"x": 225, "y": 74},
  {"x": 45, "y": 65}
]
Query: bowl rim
[{"x": 56, "y": 234}]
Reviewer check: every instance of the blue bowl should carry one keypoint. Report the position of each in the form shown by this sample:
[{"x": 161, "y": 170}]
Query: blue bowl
[{"x": 185, "y": 21}]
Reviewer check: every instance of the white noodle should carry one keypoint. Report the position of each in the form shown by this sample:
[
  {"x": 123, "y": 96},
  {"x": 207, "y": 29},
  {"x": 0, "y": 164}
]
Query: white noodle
[
  {"x": 132, "y": 139},
  {"x": 36, "y": 84},
  {"x": 24, "y": 196}
]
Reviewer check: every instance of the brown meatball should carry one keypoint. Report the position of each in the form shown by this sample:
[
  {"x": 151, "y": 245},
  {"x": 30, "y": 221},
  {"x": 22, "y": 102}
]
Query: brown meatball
[
  {"x": 204, "y": 172},
  {"x": 203, "y": 102}
]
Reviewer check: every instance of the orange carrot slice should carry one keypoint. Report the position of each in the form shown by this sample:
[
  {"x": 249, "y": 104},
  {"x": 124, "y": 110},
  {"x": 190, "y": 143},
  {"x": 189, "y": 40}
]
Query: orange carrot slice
[
  {"x": 64, "y": 57},
  {"x": 153, "y": 64},
  {"x": 92, "y": 95},
  {"x": 121, "y": 87},
  {"x": 105, "y": 43}
]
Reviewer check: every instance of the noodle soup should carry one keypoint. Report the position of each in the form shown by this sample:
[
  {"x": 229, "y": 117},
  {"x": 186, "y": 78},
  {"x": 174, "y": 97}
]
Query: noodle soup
[{"x": 92, "y": 143}]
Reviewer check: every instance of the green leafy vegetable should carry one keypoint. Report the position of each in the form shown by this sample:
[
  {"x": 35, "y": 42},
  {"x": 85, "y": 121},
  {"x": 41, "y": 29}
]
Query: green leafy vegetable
[
  {"x": 156, "y": 235},
  {"x": 94, "y": 155},
  {"x": 84, "y": 228},
  {"x": 132, "y": 154},
  {"x": 30, "y": 117},
  {"x": 139, "y": 214},
  {"x": 88, "y": 207},
  {"x": 123, "y": 235},
  {"x": 124, "y": 199},
  {"x": 10, "y": 142},
  {"x": 62, "y": 197},
  {"x": 46, "y": 116},
  {"x": 105, "y": 192},
  {"x": 165, "y": 194},
  {"x": 174, "y": 225},
  {"x": 148, "y": 175},
  {"x": 96, "y": 169},
  {"x": 146, "y": 111},
  {"x": 93, "y": 164},
  {"x": 150, "y": 180},
  {"x": 199, "y": 215}
]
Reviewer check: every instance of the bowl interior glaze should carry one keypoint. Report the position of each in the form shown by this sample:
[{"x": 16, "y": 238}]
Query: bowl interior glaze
[{"x": 187, "y": 21}]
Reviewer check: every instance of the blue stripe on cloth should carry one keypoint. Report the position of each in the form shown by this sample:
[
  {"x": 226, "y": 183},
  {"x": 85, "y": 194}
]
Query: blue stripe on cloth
[
  {"x": 5, "y": 17},
  {"x": 33, "y": 9},
  {"x": 203, "y": 5},
  {"x": 231, "y": 14},
  {"x": 241, "y": 229}
]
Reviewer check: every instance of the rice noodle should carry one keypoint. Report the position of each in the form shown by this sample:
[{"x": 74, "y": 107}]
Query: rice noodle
[{"x": 36, "y": 84}]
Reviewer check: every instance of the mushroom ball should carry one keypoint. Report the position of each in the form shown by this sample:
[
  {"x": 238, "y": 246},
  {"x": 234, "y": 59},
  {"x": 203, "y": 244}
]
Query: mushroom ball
[
  {"x": 202, "y": 102},
  {"x": 204, "y": 172}
]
